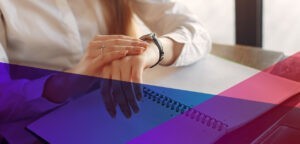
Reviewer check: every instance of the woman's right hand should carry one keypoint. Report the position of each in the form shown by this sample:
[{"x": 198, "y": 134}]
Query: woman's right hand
[{"x": 103, "y": 50}]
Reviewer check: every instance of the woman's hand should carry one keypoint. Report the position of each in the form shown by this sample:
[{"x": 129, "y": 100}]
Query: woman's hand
[
  {"x": 105, "y": 49},
  {"x": 123, "y": 79},
  {"x": 101, "y": 51}
]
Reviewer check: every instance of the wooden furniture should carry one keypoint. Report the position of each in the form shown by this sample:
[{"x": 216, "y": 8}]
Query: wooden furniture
[{"x": 253, "y": 57}]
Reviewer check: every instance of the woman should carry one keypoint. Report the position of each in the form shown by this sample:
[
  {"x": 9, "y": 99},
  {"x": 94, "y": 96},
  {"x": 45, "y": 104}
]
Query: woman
[
  {"x": 21, "y": 100},
  {"x": 54, "y": 35}
]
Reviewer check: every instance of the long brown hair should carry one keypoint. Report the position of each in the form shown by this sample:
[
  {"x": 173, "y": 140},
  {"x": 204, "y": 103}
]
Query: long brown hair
[{"x": 119, "y": 17}]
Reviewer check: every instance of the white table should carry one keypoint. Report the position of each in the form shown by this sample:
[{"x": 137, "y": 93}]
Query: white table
[{"x": 211, "y": 75}]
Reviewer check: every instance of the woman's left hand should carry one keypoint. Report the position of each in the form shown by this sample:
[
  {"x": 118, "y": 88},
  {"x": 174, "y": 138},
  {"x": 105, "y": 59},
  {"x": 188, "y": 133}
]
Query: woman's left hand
[{"x": 123, "y": 77}]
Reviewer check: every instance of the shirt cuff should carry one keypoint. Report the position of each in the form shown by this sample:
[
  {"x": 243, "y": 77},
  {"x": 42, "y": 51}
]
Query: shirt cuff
[
  {"x": 179, "y": 38},
  {"x": 193, "y": 50},
  {"x": 183, "y": 58}
]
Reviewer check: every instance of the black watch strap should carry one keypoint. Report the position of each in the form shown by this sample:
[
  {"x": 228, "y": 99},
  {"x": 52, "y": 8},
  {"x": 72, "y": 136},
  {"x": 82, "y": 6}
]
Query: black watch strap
[{"x": 153, "y": 37}]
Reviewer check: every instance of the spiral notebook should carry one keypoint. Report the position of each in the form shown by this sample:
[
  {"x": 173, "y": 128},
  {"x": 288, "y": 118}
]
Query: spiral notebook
[
  {"x": 206, "y": 117},
  {"x": 169, "y": 114},
  {"x": 85, "y": 120}
]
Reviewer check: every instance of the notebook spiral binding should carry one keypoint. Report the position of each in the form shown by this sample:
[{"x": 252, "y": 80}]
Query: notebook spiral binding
[{"x": 184, "y": 109}]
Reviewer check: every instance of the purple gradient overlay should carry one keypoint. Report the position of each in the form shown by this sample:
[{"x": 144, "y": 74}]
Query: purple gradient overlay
[{"x": 263, "y": 106}]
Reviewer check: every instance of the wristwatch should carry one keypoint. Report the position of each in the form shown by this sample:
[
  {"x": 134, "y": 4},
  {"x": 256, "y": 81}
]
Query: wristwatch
[{"x": 152, "y": 37}]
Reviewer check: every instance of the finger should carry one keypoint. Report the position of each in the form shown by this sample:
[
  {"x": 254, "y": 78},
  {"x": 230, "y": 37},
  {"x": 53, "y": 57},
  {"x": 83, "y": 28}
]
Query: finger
[
  {"x": 105, "y": 92},
  {"x": 117, "y": 92},
  {"x": 132, "y": 50},
  {"x": 107, "y": 37},
  {"x": 111, "y": 40},
  {"x": 104, "y": 59},
  {"x": 92, "y": 49},
  {"x": 137, "y": 71},
  {"x": 95, "y": 49},
  {"x": 98, "y": 48},
  {"x": 127, "y": 87},
  {"x": 121, "y": 42}
]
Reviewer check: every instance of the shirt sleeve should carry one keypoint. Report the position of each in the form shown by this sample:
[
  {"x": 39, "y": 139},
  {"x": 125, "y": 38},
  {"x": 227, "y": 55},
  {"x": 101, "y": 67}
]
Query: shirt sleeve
[
  {"x": 173, "y": 20},
  {"x": 3, "y": 56},
  {"x": 22, "y": 98}
]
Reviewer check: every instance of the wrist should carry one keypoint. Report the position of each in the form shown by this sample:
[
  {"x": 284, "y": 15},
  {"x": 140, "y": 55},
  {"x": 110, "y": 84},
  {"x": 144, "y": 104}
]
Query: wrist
[
  {"x": 156, "y": 44},
  {"x": 151, "y": 54},
  {"x": 80, "y": 69}
]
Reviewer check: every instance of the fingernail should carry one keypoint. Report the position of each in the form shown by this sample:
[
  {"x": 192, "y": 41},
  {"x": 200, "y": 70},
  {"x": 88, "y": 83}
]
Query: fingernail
[
  {"x": 113, "y": 115},
  {"x": 145, "y": 43},
  {"x": 125, "y": 52},
  {"x": 112, "y": 112},
  {"x": 139, "y": 48},
  {"x": 143, "y": 48},
  {"x": 136, "y": 110},
  {"x": 127, "y": 114},
  {"x": 139, "y": 51},
  {"x": 139, "y": 97}
]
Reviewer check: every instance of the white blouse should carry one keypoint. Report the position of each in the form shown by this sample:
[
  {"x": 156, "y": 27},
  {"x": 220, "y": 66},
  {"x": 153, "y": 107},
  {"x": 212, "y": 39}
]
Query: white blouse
[{"x": 53, "y": 34}]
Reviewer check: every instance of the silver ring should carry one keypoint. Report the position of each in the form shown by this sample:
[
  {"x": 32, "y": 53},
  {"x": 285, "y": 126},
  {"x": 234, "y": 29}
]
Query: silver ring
[{"x": 101, "y": 49}]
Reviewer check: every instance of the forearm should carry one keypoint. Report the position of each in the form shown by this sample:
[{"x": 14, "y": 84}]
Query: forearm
[
  {"x": 60, "y": 87},
  {"x": 22, "y": 98},
  {"x": 174, "y": 21},
  {"x": 172, "y": 51}
]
